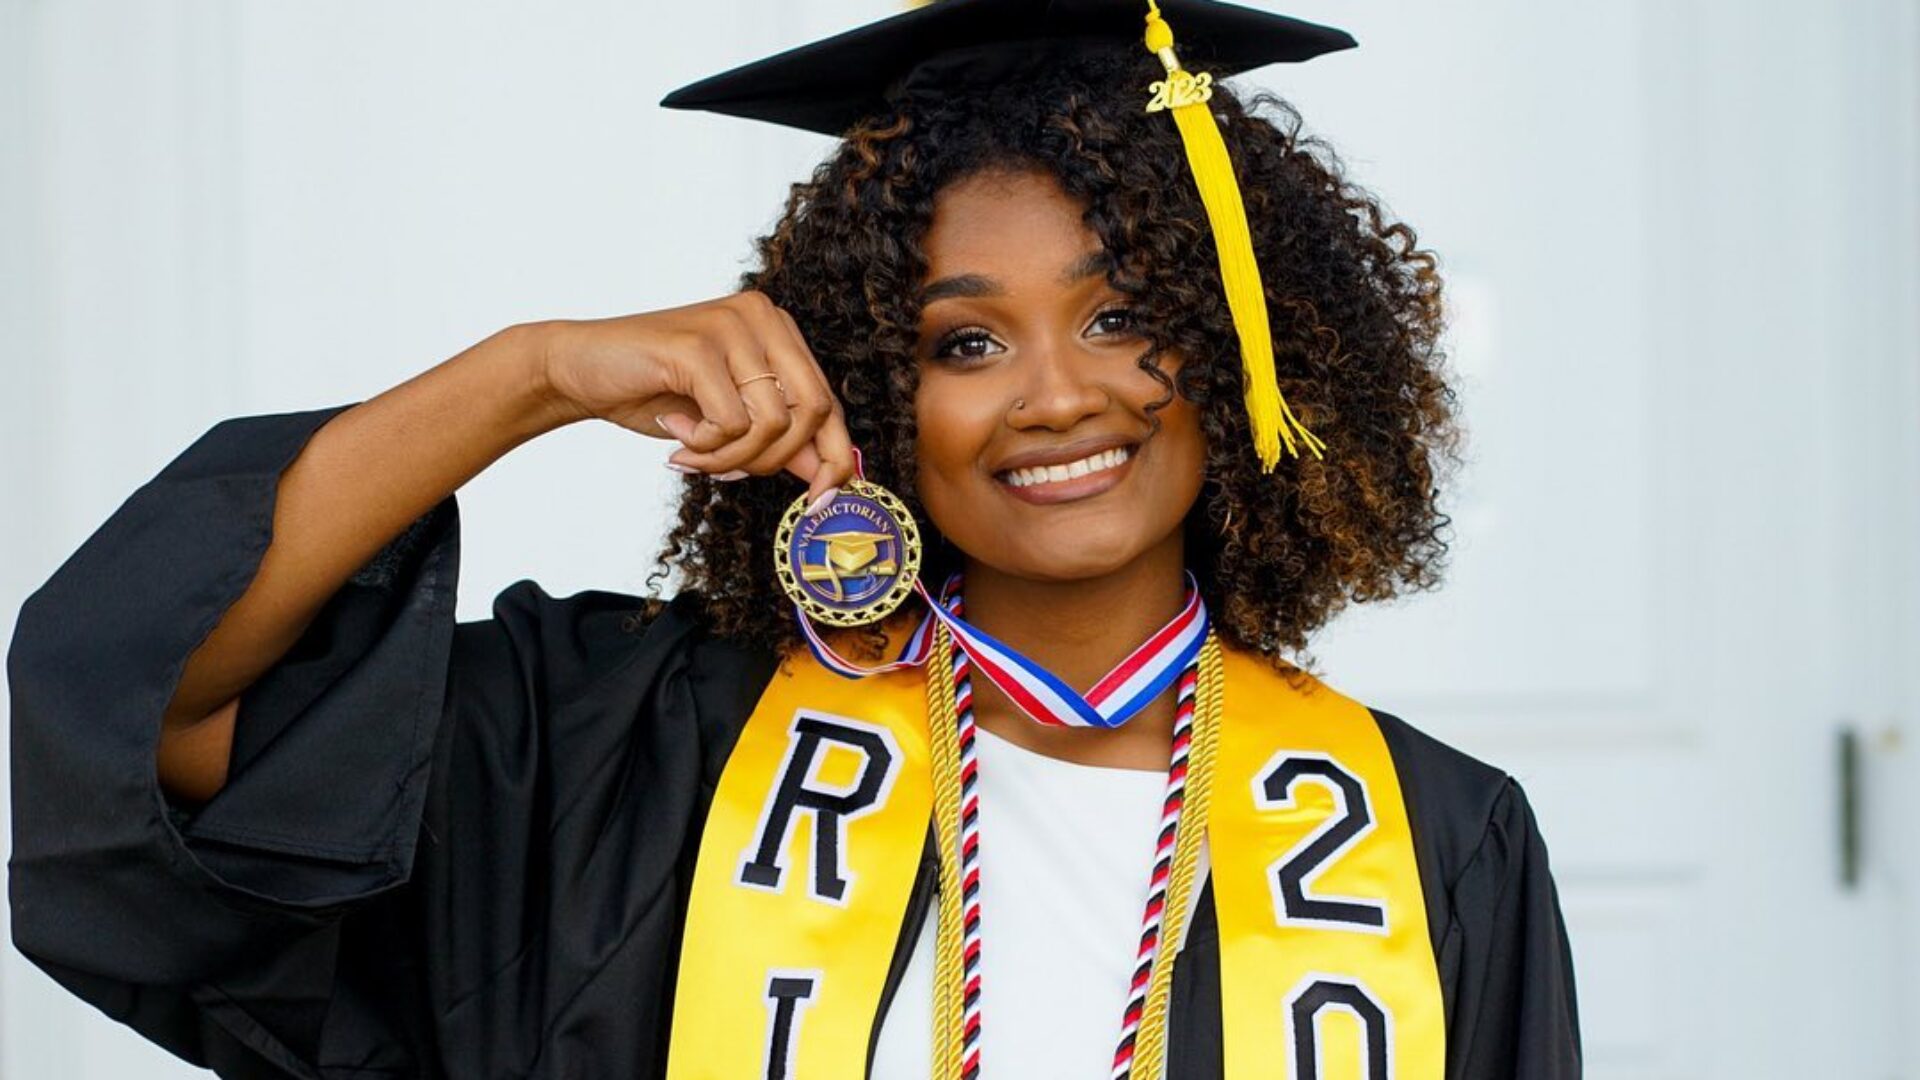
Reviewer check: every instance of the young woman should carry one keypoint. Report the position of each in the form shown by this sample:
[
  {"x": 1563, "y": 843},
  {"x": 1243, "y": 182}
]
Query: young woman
[{"x": 608, "y": 836}]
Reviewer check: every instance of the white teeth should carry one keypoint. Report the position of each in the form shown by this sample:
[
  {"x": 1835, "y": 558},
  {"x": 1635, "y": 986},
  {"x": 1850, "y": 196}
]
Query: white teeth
[{"x": 1051, "y": 474}]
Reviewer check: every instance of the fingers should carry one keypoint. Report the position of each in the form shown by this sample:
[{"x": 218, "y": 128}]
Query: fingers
[
  {"x": 795, "y": 423},
  {"x": 817, "y": 448},
  {"x": 796, "y": 386},
  {"x": 828, "y": 438},
  {"x": 699, "y": 370},
  {"x": 743, "y": 411},
  {"x": 834, "y": 448}
]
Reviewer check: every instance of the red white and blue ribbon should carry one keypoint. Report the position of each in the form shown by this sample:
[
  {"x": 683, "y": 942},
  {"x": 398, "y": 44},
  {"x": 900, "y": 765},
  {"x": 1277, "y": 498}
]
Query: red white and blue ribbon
[
  {"x": 1121, "y": 693},
  {"x": 1149, "y": 949}
]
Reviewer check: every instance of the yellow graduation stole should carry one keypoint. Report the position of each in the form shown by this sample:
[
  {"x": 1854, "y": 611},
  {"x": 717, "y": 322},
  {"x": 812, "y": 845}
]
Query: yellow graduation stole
[{"x": 816, "y": 831}]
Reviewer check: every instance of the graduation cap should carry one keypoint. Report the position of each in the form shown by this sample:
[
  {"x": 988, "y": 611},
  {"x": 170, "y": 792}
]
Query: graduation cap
[
  {"x": 953, "y": 46},
  {"x": 851, "y": 554}
]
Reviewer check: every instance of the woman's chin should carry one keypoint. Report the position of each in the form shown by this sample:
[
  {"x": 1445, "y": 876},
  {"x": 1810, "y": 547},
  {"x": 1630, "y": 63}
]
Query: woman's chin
[
  {"x": 1090, "y": 540},
  {"x": 1065, "y": 559}
]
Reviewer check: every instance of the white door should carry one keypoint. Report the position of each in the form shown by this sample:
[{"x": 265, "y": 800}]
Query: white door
[{"x": 1680, "y": 241}]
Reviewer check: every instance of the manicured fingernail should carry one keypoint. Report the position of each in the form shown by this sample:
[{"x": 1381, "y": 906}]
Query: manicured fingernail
[
  {"x": 731, "y": 474},
  {"x": 677, "y": 425},
  {"x": 825, "y": 500},
  {"x": 679, "y": 468}
]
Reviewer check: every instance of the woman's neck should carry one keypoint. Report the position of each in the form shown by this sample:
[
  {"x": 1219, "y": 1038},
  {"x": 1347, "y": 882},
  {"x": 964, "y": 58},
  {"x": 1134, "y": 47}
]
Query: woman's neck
[{"x": 1079, "y": 630}]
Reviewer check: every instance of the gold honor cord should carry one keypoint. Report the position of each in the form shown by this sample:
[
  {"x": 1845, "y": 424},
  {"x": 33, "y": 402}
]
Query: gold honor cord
[
  {"x": 944, "y": 737},
  {"x": 1150, "y": 1044},
  {"x": 1150, "y": 1041}
]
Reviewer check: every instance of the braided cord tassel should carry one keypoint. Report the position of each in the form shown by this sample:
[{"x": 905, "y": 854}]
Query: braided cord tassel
[
  {"x": 943, "y": 722},
  {"x": 966, "y": 733},
  {"x": 1153, "y": 920},
  {"x": 1150, "y": 1045}
]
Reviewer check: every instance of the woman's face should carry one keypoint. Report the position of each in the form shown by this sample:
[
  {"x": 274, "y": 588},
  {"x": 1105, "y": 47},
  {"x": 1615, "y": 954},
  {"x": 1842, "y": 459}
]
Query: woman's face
[{"x": 1036, "y": 453}]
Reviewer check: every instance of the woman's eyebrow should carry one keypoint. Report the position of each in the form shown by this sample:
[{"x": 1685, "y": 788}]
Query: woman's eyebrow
[{"x": 1093, "y": 262}]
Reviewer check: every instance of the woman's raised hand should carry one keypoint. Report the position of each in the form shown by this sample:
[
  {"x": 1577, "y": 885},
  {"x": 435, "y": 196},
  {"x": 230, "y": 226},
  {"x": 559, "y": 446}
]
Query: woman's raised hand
[
  {"x": 731, "y": 379},
  {"x": 711, "y": 375}
]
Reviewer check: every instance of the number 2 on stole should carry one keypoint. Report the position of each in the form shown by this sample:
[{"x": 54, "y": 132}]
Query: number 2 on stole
[{"x": 1291, "y": 877}]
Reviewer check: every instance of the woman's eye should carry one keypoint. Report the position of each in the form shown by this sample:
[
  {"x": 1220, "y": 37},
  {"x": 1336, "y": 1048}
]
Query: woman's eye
[
  {"x": 1117, "y": 320},
  {"x": 964, "y": 344}
]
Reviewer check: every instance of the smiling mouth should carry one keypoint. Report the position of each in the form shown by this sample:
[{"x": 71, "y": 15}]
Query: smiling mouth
[
  {"x": 1053, "y": 474},
  {"x": 1069, "y": 480}
]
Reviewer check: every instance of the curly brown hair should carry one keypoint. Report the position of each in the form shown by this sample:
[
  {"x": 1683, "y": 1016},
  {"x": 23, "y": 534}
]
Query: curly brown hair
[{"x": 1355, "y": 307}]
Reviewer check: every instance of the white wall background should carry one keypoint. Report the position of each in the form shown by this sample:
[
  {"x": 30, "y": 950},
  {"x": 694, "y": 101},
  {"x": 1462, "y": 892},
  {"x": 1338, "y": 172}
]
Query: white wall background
[{"x": 1681, "y": 240}]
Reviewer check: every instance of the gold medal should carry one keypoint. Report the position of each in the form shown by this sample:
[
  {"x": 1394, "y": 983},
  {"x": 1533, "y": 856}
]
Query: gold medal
[{"x": 854, "y": 561}]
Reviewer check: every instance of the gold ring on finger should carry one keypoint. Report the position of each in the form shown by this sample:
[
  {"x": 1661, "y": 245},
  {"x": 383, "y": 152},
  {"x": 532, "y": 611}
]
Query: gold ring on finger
[{"x": 763, "y": 375}]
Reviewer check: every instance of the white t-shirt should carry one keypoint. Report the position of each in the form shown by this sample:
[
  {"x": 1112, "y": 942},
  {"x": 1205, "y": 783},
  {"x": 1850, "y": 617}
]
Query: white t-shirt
[{"x": 1065, "y": 850}]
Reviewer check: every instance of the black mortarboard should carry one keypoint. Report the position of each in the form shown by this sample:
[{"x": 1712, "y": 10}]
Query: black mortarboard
[{"x": 828, "y": 85}]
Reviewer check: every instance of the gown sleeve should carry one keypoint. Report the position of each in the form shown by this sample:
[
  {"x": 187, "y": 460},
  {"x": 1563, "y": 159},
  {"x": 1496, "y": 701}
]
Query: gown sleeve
[
  {"x": 443, "y": 849},
  {"x": 1515, "y": 1012}
]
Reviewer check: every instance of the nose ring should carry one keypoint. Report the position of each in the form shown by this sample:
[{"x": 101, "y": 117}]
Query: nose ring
[{"x": 1019, "y": 403}]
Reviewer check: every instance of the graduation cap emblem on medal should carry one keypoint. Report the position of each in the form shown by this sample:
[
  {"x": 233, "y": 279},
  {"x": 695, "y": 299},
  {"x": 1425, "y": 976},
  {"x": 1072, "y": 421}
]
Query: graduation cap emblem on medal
[{"x": 854, "y": 561}]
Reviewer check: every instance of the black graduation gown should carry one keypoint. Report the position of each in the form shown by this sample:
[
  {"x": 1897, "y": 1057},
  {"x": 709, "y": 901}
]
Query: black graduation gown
[{"x": 463, "y": 850}]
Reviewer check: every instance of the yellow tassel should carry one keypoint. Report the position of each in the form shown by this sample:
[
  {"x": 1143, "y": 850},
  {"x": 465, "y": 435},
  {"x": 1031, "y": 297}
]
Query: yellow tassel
[{"x": 1185, "y": 95}]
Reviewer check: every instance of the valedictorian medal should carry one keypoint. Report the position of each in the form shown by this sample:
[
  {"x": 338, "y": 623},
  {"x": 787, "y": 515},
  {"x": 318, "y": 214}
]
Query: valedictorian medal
[{"x": 851, "y": 563}]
